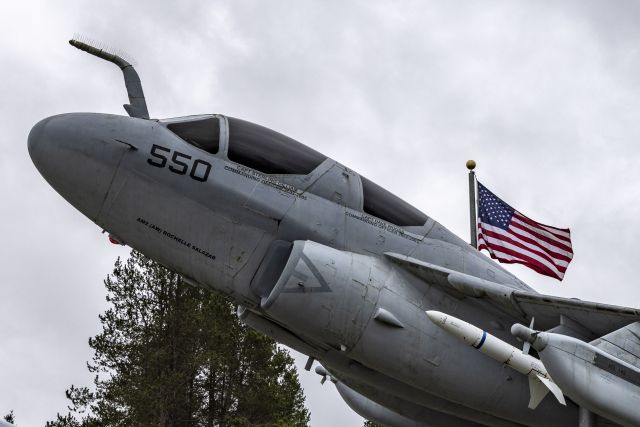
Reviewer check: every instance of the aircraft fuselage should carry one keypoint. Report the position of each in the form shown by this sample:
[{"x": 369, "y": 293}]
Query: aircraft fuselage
[{"x": 214, "y": 220}]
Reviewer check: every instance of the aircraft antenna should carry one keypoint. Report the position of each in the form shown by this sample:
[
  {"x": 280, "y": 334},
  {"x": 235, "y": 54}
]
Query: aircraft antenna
[{"x": 137, "y": 106}]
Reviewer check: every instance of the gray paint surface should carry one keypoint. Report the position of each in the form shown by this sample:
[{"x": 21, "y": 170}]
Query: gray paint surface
[
  {"x": 462, "y": 97},
  {"x": 343, "y": 265}
]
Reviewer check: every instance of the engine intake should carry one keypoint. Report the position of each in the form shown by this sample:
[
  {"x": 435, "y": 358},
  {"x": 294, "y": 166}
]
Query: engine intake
[{"x": 322, "y": 293}]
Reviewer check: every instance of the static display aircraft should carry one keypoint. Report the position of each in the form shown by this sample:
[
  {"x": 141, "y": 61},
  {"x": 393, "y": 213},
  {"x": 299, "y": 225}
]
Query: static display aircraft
[{"x": 334, "y": 266}]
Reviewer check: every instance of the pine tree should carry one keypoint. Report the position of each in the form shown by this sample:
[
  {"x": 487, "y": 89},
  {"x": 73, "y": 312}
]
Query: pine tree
[
  {"x": 10, "y": 417},
  {"x": 170, "y": 354}
]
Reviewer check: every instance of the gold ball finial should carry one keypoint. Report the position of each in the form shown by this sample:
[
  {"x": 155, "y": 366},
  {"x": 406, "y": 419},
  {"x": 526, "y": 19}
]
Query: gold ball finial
[{"x": 471, "y": 164}]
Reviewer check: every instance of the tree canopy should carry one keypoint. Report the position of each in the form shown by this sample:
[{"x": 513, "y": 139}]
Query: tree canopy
[
  {"x": 10, "y": 417},
  {"x": 171, "y": 354}
]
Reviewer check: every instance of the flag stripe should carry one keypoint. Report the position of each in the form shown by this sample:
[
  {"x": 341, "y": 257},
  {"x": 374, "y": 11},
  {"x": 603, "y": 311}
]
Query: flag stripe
[
  {"x": 548, "y": 247},
  {"x": 516, "y": 252},
  {"x": 504, "y": 254},
  {"x": 533, "y": 265},
  {"x": 518, "y": 218},
  {"x": 535, "y": 235},
  {"x": 562, "y": 232},
  {"x": 503, "y": 258},
  {"x": 497, "y": 233}
]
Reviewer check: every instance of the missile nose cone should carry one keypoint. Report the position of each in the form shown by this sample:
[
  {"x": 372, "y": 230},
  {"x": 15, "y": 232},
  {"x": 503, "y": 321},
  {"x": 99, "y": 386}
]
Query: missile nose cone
[
  {"x": 523, "y": 333},
  {"x": 458, "y": 328},
  {"x": 537, "y": 339},
  {"x": 321, "y": 371},
  {"x": 436, "y": 317}
]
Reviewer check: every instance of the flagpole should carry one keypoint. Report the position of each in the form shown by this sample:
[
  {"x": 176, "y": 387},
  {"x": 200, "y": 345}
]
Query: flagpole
[{"x": 473, "y": 222}]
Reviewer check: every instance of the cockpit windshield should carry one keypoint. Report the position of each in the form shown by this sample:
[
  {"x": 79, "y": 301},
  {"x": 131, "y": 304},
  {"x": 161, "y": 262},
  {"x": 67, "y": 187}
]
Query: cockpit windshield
[
  {"x": 204, "y": 133},
  {"x": 268, "y": 151}
]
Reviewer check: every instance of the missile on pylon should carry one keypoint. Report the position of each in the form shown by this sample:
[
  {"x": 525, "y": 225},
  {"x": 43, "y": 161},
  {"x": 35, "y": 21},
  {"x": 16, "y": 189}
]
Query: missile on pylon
[
  {"x": 595, "y": 379},
  {"x": 540, "y": 383}
]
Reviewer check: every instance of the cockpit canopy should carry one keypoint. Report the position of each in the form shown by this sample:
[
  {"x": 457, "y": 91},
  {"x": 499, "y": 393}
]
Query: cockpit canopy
[
  {"x": 273, "y": 153},
  {"x": 251, "y": 145},
  {"x": 268, "y": 151},
  {"x": 204, "y": 133},
  {"x": 385, "y": 205}
]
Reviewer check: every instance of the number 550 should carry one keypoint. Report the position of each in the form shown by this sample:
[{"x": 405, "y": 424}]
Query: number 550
[{"x": 180, "y": 163}]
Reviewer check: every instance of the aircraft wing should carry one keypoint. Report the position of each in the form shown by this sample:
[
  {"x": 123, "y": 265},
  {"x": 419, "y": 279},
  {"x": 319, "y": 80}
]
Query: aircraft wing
[{"x": 549, "y": 311}]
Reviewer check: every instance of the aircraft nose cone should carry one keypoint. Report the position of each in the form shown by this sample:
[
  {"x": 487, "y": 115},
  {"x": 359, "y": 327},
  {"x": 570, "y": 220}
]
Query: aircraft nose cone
[
  {"x": 73, "y": 153},
  {"x": 34, "y": 140},
  {"x": 42, "y": 142}
]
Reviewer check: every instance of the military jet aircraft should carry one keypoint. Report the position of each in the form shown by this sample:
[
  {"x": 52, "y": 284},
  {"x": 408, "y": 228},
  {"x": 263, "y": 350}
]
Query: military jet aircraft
[{"x": 332, "y": 265}]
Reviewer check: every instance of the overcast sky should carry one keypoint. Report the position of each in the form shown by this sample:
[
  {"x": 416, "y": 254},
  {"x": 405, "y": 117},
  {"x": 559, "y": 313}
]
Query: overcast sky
[{"x": 544, "y": 96}]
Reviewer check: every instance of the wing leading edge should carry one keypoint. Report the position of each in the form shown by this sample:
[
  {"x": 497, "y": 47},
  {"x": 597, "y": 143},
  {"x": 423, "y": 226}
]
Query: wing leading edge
[{"x": 549, "y": 311}]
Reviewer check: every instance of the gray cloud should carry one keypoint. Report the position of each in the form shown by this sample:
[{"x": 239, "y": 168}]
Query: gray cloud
[{"x": 543, "y": 95}]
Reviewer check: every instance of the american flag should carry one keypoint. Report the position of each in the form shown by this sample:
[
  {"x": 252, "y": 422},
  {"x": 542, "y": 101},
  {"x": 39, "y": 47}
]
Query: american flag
[{"x": 511, "y": 237}]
